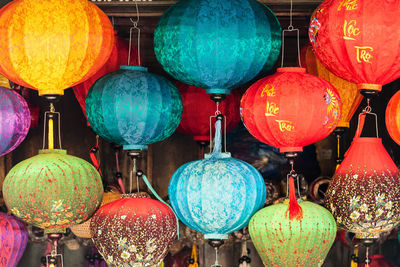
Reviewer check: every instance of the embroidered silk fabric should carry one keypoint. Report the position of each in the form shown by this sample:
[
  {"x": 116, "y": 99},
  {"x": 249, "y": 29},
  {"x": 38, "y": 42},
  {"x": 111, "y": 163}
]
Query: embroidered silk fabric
[
  {"x": 15, "y": 120},
  {"x": 283, "y": 242},
  {"x": 217, "y": 44},
  {"x": 358, "y": 40},
  {"x": 290, "y": 109},
  {"x": 13, "y": 240},
  {"x": 53, "y": 190},
  {"x": 133, "y": 108},
  {"x": 216, "y": 195},
  {"x": 51, "y": 45}
]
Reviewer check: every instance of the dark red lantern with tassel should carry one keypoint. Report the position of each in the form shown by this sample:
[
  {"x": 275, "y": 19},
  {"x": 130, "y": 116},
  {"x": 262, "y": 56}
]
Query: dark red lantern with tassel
[
  {"x": 364, "y": 193},
  {"x": 358, "y": 40},
  {"x": 291, "y": 109},
  {"x": 198, "y": 107},
  {"x": 118, "y": 57}
]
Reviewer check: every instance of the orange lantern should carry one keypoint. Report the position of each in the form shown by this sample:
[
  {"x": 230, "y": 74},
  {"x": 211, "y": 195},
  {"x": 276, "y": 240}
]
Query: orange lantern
[
  {"x": 393, "y": 118},
  {"x": 348, "y": 92},
  {"x": 51, "y": 45}
]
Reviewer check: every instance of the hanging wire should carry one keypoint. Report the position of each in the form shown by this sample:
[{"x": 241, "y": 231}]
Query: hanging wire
[
  {"x": 291, "y": 29},
  {"x": 135, "y": 27}
]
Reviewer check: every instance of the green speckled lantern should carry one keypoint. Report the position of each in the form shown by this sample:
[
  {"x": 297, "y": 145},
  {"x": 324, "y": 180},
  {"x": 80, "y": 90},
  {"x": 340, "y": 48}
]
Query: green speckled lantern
[
  {"x": 281, "y": 241},
  {"x": 53, "y": 190}
]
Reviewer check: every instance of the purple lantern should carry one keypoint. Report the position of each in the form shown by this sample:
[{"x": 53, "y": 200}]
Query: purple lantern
[
  {"x": 13, "y": 240},
  {"x": 15, "y": 120}
]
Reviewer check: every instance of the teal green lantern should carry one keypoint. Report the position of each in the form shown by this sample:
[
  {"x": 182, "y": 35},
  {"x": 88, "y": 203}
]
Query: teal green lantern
[
  {"x": 217, "y": 44},
  {"x": 133, "y": 108}
]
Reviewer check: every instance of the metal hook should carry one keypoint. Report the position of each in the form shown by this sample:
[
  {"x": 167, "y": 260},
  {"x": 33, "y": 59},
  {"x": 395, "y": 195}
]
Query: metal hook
[
  {"x": 135, "y": 27},
  {"x": 291, "y": 29}
]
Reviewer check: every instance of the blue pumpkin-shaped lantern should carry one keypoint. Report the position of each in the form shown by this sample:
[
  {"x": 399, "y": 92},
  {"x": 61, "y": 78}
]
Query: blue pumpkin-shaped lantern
[
  {"x": 217, "y": 44},
  {"x": 217, "y": 195},
  {"x": 133, "y": 108}
]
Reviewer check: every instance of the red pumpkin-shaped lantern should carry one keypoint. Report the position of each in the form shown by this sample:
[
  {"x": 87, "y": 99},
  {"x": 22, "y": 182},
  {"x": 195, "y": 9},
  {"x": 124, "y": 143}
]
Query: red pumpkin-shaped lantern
[
  {"x": 198, "y": 107},
  {"x": 393, "y": 117},
  {"x": 364, "y": 193},
  {"x": 133, "y": 231},
  {"x": 291, "y": 109},
  {"x": 119, "y": 56},
  {"x": 358, "y": 40}
]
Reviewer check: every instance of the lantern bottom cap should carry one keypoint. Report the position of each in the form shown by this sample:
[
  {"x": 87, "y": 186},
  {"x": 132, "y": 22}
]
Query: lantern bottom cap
[
  {"x": 343, "y": 124},
  {"x": 367, "y": 236},
  {"x": 290, "y": 149},
  {"x": 138, "y": 68},
  {"x": 201, "y": 138},
  {"x": 134, "y": 147},
  {"x": 369, "y": 87},
  {"x": 55, "y": 230},
  {"x": 218, "y": 91},
  {"x": 43, "y": 92},
  {"x": 215, "y": 236}
]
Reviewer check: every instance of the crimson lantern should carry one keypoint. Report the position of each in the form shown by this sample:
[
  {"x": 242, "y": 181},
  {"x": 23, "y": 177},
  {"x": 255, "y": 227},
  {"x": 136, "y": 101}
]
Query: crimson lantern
[
  {"x": 358, "y": 40},
  {"x": 119, "y": 56},
  {"x": 198, "y": 107},
  {"x": 291, "y": 109}
]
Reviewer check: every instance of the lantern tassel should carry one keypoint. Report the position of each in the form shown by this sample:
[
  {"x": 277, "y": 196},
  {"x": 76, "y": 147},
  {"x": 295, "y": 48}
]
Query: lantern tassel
[
  {"x": 218, "y": 137},
  {"x": 295, "y": 211},
  {"x": 194, "y": 257}
]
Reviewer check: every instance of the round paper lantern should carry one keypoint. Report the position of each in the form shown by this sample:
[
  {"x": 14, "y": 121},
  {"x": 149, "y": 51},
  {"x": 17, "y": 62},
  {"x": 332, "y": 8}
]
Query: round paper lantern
[
  {"x": 283, "y": 242},
  {"x": 290, "y": 109},
  {"x": 348, "y": 92},
  {"x": 392, "y": 117},
  {"x": 133, "y": 231},
  {"x": 15, "y": 120},
  {"x": 13, "y": 240},
  {"x": 358, "y": 40},
  {"x": 217, "y": 195},
  {"x": 53, "y": 45},
  {"x": 217, "y": 45},
  {"x": 83, "y": 230},
  {"x": 364, "y": 192},
  {"x": 119, "y": 56},
  {"x": 198, "y": 107},
  {"x": 133, "y": 108},
  {"x": 58, "y": 191}
]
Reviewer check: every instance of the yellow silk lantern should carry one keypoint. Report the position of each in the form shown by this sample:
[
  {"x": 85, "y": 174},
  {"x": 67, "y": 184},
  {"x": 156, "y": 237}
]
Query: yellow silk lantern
[
  {"x": 51, "y": 45},
  {"x": 348, "y": 92}
]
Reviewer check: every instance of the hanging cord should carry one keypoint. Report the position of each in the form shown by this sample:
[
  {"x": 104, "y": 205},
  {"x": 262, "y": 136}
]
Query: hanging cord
[
  {"x": 367, "y": 258},
  {"x": 193, "y": 258},
  {"x": 291, "y": 29},
  {"x": 135, "y": 27},
  {"x": 95, "y": 155},
  {"x": 49, "y": 122},
  {"x": 119, "y": 174}
]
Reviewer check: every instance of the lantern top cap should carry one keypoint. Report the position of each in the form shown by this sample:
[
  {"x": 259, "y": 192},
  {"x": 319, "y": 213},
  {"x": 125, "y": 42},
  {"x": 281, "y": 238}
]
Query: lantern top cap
[
  {"x": 53, "y": 151},
  {"x": 291, "y": 69},
  {"x": 138, "y": 68},
  {"x": 368, "y": 139},
  {"x": 136, "y": 195}
]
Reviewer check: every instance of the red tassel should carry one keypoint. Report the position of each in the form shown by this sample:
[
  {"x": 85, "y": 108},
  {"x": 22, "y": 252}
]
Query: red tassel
[{"x": 295, "y": 211}]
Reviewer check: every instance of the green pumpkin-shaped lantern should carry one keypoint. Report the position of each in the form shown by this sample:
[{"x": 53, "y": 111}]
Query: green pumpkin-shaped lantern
[
  {"x": 53, "y": 190},
  {"x": 303, "y": 239}
]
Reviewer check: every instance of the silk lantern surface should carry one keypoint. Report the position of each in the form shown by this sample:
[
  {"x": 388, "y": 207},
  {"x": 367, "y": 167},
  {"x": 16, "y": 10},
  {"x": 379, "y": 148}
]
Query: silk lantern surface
[
  {"x": 133, "y": 108},
  {"x": 364, "y": 192},
  {"x": 58, "y": 190},
  {"x": 198, "y": 107},
  {"x": 290, "y": 109},
  {"x": 218, "y": 194},
  {"x": 134, "y": 231},
  {"x": 281, "y": 241},
  {"x": 392, "y": 117},
  {"x": 15, "y": 120},
  {"x": 348, "y": 92},
  {"x": 119, "y": 56},
  {"x": 358, "y": 40},
  {"x": 51, "y": 45},
  {"x": 217, "y": 45},
  {"x": 13, "y": 240}
]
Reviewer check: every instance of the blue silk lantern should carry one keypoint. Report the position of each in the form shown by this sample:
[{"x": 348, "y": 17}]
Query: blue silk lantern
[
  {"x": 13, "y": 240},
  {"x": 133, "y": 108},
  {"x": 217, "y": 195},
  {"x": 217, "y": 44},
  {"x": 15, "y": 120}
]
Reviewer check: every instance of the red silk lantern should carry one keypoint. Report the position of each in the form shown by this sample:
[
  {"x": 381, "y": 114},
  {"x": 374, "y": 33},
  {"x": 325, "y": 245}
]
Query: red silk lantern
[
  {"x": 393, "y": 117},
  {"x": 118, "y": 57},
  {"x": 291, "y": 109},
  {"x": 348, "y": 92},
  {"x": 358, "y": 40},
  {"x": 198, "y": 107}
]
